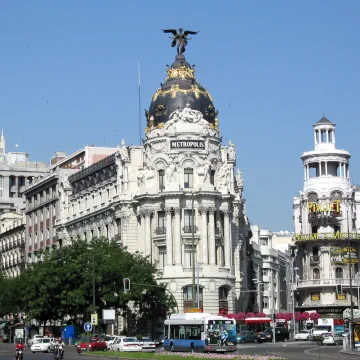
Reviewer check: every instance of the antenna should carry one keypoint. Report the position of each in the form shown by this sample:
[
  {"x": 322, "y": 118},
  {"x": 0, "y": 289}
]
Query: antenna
[{"x": 139, "y": 104}]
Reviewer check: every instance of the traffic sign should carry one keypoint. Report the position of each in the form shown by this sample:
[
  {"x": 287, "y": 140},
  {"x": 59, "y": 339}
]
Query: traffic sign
[
  {"x": 94, "y": 319},
  {"x": 87, "y": 327}
]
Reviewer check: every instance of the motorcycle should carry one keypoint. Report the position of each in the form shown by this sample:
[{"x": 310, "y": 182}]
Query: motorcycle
[
  {"x": 60, "y": 352},
  {"x": 19, "y": 354}
]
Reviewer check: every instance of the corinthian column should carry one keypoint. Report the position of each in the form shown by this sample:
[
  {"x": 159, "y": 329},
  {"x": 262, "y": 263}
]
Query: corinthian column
[
  {"x": 177, "y": 232},
  {"x": 147, "y": 234},
  {"x": 226, "y": 239},
  {"x": 212, "y": 249},
  {"x": 204, "y": 235},
  {"x": 169, "y": 248}
]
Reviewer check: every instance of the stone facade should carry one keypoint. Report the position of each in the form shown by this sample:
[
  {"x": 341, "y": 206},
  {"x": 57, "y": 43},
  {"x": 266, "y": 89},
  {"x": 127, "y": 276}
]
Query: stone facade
[
  {"x": 143, "y": 196},
  {"x": 16, "y": 172},
  {"x": 12, "y": 244},
  {"x": 326, "y": 223},
  {"x": 273, "y": 271}
]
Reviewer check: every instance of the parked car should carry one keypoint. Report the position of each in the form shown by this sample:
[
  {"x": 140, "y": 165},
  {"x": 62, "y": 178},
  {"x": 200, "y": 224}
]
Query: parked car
[
  {"x": 147, "y": 344},
  {"x": 302, "y": 335},
  {"x": 43, "y": 345},
  {"x": 281, "y": 334},
  {"x": 95, "y": 344},
  {"x": 331, "y": 338},
  {"x": 126, "y": 344},
  {"x": 246, "y": 336},
  {"x": 110, "y": 339}
]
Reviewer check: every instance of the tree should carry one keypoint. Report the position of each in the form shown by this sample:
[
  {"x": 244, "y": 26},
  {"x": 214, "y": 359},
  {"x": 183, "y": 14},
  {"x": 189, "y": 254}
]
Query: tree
[{"x": 61, "y": 284}]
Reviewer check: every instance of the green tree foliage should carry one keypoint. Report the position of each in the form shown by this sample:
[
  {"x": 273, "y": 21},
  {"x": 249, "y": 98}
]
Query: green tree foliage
[{"x": 61, "y": 284}]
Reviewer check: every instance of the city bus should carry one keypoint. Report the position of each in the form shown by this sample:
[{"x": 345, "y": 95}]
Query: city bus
[{"x": 200, "y": 332}]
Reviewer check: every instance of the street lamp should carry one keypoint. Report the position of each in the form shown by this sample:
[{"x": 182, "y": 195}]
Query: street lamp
[
  {"x": 350, "y": 281},
  {"x": 193, "y": 248}
]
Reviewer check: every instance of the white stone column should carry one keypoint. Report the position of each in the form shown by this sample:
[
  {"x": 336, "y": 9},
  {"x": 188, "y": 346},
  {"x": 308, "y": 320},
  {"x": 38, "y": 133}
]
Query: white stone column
[
  {"x": 204, "y": 235},
  {"x": 308, "y": 171},
  {"x": 147, "y": 234},
  {"x": 304, "y": 172},
  {"x": 177, "y": 232},
  {"x": 333, "y": 136},
  {"x": 326, "y": 168},
  {"x": 320, "y": 168},
  {"x": 348, "y": 171},
  {"x": 327, "y": 136},
  {"x": 212, "y": 257},
  {"x": 169, "y": 247},
  {"x": 315, "y": 139},
  {"x": 226, "y": 239},
  {"x": 126, "y": 178}
]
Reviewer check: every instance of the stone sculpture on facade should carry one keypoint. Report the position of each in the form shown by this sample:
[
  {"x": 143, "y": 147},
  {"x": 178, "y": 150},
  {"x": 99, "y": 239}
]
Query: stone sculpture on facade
[
  {"x": 180, "y": 38},
  {"x": 172, "y": 172},
  {"x": 231, "y": 151},
  {"x": 123, "y": 150}
]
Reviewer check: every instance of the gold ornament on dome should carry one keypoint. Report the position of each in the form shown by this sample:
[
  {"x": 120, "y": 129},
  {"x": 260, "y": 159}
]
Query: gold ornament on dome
[
  {"x": 175, "y": 89},
  {"x": 216, "y": 125},
  {"x": 183, "y": 73}
]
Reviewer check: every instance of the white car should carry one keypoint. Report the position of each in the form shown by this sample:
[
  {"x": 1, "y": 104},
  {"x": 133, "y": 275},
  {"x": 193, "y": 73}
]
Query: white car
[
  {"x": 332, "y": 339},
  {"x": 147, "y": 344},
  {"x": 35, "y": 339},
  {"x": 126, "y": 344},
  {"x": 302, "y": 335},
  {"x": 110, "y": 340},
  {"x": 43, "y": 345}
]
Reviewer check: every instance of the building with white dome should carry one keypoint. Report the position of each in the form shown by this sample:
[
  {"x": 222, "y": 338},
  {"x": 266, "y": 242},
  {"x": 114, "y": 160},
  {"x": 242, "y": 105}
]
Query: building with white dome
[
  {"x": 326, "y": 228},
  {"x": 143, "y": 197}
]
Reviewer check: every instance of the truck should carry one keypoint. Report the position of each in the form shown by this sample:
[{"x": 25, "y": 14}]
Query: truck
[{"x": 327, "y": 325}]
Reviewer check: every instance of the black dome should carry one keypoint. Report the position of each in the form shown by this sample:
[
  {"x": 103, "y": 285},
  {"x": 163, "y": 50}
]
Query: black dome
[{"x": 180, "y": 88}]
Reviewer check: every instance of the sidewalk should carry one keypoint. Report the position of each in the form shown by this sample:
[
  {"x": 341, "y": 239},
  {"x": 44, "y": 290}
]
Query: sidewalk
[{"x": 348, "y": 352}]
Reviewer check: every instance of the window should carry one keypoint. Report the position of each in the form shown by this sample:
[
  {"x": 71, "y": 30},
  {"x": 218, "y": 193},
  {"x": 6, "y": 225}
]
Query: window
[
  {"x": 188, "y": 219},
  {"x": 161, "y": 174},
  {"x": 266, "y": 286},
  {"x": 316, "y": 274},
  {"x": 265, "y": 272},
  {"x": 162, "y": 257},
  {"x": 186, "y": 332},
  {"x": 161, "y": 223},
  {"x": 314, "y": 229},
  {"x": 188, "y": 178},
  {"x": 337, "y": 228},
  {"x": 212, "y": 177},
  {"x": 264, "y": 241},
  {"x": 47, "y": 213},
  {"x": 339, "y": 273},
  {"x": 188, "y": 256}
]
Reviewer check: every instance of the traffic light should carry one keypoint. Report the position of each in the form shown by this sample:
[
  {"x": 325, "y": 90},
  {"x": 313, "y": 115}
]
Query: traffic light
[
  {"x": 274, "y": 317},
  {"x": 338, "y": 290},
  {"x": 126, "y": 284}
]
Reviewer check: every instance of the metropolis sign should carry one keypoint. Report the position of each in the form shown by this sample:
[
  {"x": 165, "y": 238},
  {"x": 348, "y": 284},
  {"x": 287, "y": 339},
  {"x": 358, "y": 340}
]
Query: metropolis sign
[{"x": 187, "y": 144}]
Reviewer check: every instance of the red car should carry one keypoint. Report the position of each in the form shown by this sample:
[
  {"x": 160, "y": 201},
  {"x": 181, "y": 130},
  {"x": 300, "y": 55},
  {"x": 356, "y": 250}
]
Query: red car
[{"x": 95, "y": 344}]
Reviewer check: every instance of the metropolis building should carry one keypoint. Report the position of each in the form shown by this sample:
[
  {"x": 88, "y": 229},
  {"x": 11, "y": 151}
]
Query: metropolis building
[
  {"x": 143, "y": 196},
  {"x": 326, "y": 228}
]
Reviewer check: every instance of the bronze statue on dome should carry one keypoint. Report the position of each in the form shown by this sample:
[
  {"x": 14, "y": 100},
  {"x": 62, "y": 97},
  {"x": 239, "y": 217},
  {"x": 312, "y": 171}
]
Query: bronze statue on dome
[{"x": 180, "y": 38}]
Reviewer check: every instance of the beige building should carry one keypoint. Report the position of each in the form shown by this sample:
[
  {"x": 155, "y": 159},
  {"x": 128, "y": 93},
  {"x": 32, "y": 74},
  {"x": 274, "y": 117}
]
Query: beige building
[{"x": 12, "y": 244}]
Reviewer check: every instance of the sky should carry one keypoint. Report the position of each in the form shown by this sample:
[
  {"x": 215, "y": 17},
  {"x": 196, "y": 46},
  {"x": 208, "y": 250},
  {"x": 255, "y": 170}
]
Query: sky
[{"x": 69, "y": 78}]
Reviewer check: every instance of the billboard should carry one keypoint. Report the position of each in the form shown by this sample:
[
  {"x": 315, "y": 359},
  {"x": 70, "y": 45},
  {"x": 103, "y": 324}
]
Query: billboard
[{"x": 340, "y": 255}]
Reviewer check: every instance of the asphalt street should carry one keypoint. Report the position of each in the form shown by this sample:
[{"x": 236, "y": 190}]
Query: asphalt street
[{"x": 291, "y": 351}]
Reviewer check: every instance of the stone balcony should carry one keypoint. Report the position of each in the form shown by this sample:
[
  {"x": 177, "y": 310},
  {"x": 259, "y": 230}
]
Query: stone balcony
[{"x": 326, "y": 282}]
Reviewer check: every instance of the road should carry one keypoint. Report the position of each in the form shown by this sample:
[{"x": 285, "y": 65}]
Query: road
[{"x": 291, "y": 351}]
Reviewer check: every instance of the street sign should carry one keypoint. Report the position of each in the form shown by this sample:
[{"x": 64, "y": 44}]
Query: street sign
[
  {"x": 87, "y": 327},
  {"x": 94, "y": 319}
]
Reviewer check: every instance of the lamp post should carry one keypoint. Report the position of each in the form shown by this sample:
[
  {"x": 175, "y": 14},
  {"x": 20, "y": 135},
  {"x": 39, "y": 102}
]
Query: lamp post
[
  {"x": 293, "y": 269},
  {"x": 93, "y": 285}
]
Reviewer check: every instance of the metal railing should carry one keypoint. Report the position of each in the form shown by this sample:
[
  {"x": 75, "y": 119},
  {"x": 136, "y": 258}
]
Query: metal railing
[
  {"x": 314, "y": 260},
  {"x": 188, "y": 229},
  {"x": 160, "y": 230}
]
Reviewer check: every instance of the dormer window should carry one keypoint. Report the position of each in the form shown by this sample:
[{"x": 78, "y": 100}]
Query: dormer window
[{"x": 188, "y": 178}]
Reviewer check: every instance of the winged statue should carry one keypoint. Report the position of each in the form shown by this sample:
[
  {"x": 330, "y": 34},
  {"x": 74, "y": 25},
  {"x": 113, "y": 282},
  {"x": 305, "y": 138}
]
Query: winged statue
[{"x": 180, "y": 37}]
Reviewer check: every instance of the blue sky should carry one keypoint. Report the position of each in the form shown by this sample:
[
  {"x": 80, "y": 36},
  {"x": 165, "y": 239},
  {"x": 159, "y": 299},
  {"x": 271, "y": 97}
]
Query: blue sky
[{"x": 68, "y": 77}]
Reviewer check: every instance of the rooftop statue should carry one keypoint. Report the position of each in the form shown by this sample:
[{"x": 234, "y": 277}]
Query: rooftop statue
[{"x": 180, "y": 38}]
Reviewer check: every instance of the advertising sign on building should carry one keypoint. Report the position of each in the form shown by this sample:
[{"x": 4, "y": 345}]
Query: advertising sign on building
[
  {"x": 340, "y": 255},
  {"x": 315, "y": 296},
  {"x": 187, "y": 144}
]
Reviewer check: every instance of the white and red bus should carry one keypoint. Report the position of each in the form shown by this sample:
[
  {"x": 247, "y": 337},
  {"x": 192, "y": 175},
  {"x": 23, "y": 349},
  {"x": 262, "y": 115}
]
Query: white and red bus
[{"x": 259, "y": 324}]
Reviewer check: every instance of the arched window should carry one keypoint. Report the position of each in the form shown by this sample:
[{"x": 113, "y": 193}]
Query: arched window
[
  {"x": 188, "y": 178},
  {"x": 316, "y": 274},
  {"x": 223, "y": 300},
  {"x": 188, "y": 298},
  {"x": 339, "y": 273},
  {"x": 161, "y": 174}
]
